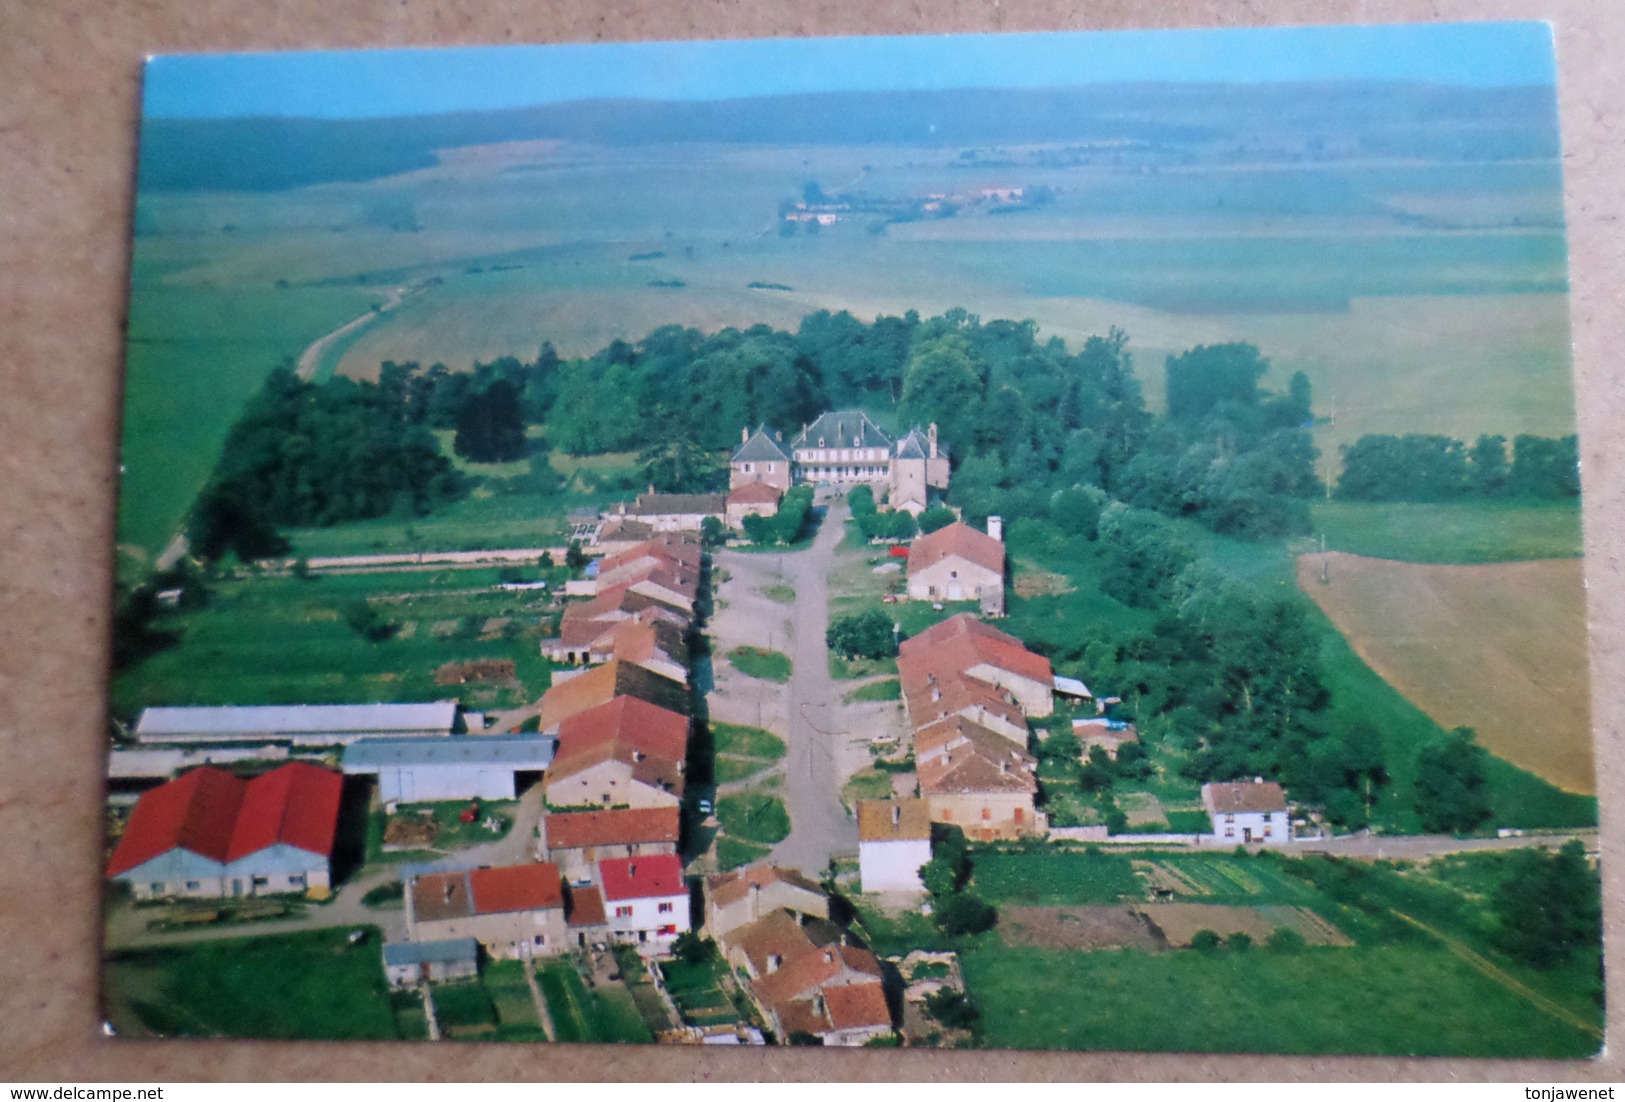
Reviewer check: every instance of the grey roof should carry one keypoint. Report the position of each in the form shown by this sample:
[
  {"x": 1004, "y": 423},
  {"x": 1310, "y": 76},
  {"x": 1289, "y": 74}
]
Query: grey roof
[
  {"x": 651, "y": 505},
  {"x": 398, "y": 953},
  {"x": 848, "y": 428},
  {"x": 913, "y": 446},
  {"x": 296, "y": 719},
  {"x": 760, "y": 448},
  {"x": 518, "y": 751}
]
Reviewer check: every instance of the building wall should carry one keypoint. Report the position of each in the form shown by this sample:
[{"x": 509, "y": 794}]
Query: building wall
[
  {"x": 738, "y": 511},
  {"x": 952, "y": 579},
  {"x": 180, "y": 874},
  {"x": 720, "y": 920},
  {"x": 1269, "y": 827},
  {"x": 893, "y": 866},
  {"x": 936, "y": 472},
  {"x": 424, "y": 783},
  {"x": 505, "y": 936},
  {"x": 675, "y": 522},
  {"x": 440, "y": 971},
  {"x": 658, "y": 919},
  {"x": 987, "y": 815},
  {"x": 1035, "y": 697},
  {"x": 908, "y": 491},
  {"x": 607, "y": 784},
  {"x": 773, "y": 472}
]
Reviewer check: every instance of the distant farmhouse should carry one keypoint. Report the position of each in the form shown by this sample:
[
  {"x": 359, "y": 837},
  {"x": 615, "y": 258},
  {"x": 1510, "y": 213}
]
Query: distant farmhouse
[
  {"x": 846, "y": 449},
  {"x": 1248, "y": 812},
  {"x": 212, "y": 834},
  {"x": 958, "y": 563}
]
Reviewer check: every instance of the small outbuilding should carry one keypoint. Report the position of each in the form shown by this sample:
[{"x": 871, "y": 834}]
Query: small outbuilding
[{"x": 409, "y": 962}]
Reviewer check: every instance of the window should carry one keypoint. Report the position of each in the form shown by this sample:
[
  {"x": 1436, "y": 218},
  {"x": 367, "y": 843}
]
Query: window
[
  {"x": 748, "y": 468},
  {"x": 539, "y": 939},
  {"x": 262, "y": 881},
  {"x": 192, "y": 885},
  {"x": 947, "y": 814},
  {"x": 665, "y": 908},
  {"x": 987, "y": 813},
  {"x": 1266, "y": 830},
  {"x": 157, "y": 887},
  {"x": 1229, "y": 818},
  {"x": 623, "y": 912},
  {"x": 297, "y": 880},
  {"x": 1229, "y": 832},
  {"x": 1021, "y": 815}
]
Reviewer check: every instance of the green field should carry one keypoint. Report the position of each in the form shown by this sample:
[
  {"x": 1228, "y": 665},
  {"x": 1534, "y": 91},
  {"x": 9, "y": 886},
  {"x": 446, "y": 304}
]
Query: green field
[
  {"x": 1404, "y": 999},
  {"x": 601, "y": 1016},
  {"x": 769, "y": 665},
  {"x": 1451, "y": 532},
  {"x": 305, "y": 986},
  {"x": 754, "y": 817},
  {"x": 283, "y": 640},
  {"x": 743, "y": 751},
  {"x": 889, "y": 689}
]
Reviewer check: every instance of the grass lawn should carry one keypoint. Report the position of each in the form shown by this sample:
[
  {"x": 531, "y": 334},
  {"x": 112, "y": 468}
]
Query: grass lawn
[
  {"x": 1401, "y": 999},
  {"x": 1047, "y": 877},
  {"x": 741, "y": 752},
  {"x": 1467, "y": 532},
  {"x": 464, "y": 1009},
  {"x": 732, "y": 853},
  {"x": 867, "y": 783},
  {"x": 889, "y": 689},
  {"x": 754, "y": 817},
  {"x": 778, "y": 591},
  {"x": 307, "y": 986},
  {"x": 849, "y": 669},
  {"x": 769, "y": 665}
]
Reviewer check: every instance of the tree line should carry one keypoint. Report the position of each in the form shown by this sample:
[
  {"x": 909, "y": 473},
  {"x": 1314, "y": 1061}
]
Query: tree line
[{"x": 1426, "y": 468}]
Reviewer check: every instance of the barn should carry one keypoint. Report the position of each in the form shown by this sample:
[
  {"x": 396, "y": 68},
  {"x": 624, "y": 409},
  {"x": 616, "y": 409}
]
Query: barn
[{"x": 460, "y": 767}]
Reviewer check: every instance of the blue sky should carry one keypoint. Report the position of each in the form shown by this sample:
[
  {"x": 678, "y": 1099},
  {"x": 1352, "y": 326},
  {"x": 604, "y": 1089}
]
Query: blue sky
[{"x": 372, "y": 83}]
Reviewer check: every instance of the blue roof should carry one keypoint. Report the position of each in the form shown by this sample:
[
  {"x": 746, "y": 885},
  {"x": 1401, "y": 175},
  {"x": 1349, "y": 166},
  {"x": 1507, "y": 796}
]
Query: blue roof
[
  {"x": 516, "y": 751},
  {"x": 430, "y": 952}
]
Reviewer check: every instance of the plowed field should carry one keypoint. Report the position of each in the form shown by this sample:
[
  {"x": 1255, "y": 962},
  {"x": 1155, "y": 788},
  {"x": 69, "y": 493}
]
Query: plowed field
[{"x": 1500, "y": 648}]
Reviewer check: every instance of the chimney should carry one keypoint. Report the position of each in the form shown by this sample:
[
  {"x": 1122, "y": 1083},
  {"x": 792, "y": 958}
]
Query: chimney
[
  {"x": 843, "y": 939},
  {"x": 632, "y": 871},
  {"x": 744, "y": 436},
  {"x": 447, "y": 893},
  {"x": 829, "y": 956},
  {"x": 931, "y": 436},
  {"x": 995, "y": 528},
  {"x": 755, "y": 901}
]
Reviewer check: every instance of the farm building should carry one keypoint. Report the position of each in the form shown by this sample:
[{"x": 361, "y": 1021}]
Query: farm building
[
  {"x": 460, "y": 767},
  {"x": 212, "y": 834},
  {"x": 623, "y": 753},
  {"x": 894, "y": 840},
  {"x": 753, "y": 499},
  {"x": 602, "y": 684},
  {"x": 407, "y": 963},
  {"x": 673, "y": 512},
  {"x": 1245, "y": 811},
  {"x": 514, "y": 911},
  {"x": 964, "y": 646},
  {"x": 299, "y": 724},
  {"x": 578, "y": 840},
  {"x": 1108, "y": 734},
  {"x": 957, "y": 563},
  {"x": 645, "y": 899}
]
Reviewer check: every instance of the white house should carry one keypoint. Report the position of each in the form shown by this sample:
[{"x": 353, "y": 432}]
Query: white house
[
  {"x": 645, "y": 899},
  {"x": 957, "y": 563},
  {"x": 1248, "y": 812},
  {"x": 894, "y": 840},
  {"x": 459, "y": 767}
]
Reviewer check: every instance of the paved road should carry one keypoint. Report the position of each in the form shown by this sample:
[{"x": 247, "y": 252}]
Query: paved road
[
  {"x": 819, "y": 823},
  {"x": 1412, "y": 846}
]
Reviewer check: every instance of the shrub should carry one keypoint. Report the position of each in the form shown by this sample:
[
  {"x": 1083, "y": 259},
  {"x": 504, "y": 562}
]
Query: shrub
[
  {"x": 1240, "y": 942},
  {"x": 965, "y": 914},
  {"x": 1205, "y": 941},
  {"x": 953, "y": 1009},
  {"x": 1285, "y": 940}
]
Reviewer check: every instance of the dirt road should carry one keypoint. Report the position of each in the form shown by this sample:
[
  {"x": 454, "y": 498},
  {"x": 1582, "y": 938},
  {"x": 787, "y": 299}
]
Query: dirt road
[{"x": 311, "y": 358}]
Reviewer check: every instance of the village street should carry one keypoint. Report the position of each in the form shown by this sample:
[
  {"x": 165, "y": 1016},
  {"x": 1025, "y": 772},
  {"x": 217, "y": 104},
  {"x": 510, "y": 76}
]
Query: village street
[{"x": 807, "y": 712}]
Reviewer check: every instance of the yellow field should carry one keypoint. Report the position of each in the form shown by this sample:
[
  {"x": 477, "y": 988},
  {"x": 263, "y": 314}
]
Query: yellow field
[{"x": 1500, "y": 648}]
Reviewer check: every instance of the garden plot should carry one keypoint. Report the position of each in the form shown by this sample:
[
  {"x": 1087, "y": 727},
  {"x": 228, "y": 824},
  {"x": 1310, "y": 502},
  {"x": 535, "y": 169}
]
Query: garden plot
[
  {"x": 1180, "y": 922},
  {"x": 1079, "y": 928}
]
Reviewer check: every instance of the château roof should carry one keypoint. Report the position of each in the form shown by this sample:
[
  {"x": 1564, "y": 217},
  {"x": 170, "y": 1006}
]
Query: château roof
[
  {"x": 761, "y": 447},
  {"x": 849, "y": 428}
]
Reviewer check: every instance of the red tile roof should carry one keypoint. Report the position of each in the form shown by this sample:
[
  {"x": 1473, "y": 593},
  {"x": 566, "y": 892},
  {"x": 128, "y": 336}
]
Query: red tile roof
[
  {"x": 963, "y": 642},
  {"x": 586, "y": 907},
  {"x": 857, "y": 1005},
  {"x": 629, "y": 826},
  {"x": 626, "y": 729},
  {"x": 516, "y": 888},
  {"x": 730, "y": 887},
  {"x": 958, "y": 756},
  {"x": 642, "y": 877},
  {"x": 221, "y": 817},
  {"x": 1244, "y": 796},
  {"x": 602, "y": 685},
  {"x": 755, "y": 493},
  {"x": 957, "y": 540}
]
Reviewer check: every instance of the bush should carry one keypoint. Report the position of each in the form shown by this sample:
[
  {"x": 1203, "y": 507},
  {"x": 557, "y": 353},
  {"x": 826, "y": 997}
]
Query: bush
[
  {"x": 1239, "y": 941},
  {"x": 1205, "y": 941},
  {"x": 953, "y": 1009},
  {"x": 1285, "y": 940},
  {"x": 864, "y": 635},
  {"x": 938, "y": 516},
  {"x": 965, "y": 914}
]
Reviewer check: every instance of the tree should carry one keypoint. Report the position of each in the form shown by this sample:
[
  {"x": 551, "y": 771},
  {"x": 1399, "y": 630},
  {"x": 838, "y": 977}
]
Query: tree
[
  {"x": 228, "y": 518},
  {"x": 1239, "y": 941},
  {"x": 491, "y": 425},
  {"x": 1487, "y": 463},
  {"x": 1199, "y": 380},
  {"x": 691, "y": 948},
  {"x": 1205, "y": 941},
  {"x": 1452, "y": 791},
  {"x": 712, "y": 532},
  {"x": 965, "y": 914},
  {"x": 867, "y": 634},
  {"x": 938, "y": 516},
  {"x": 1549, "y": 907},
  {"x": 953, "y": 1009},
  {"x": 1285, "y": 939}
]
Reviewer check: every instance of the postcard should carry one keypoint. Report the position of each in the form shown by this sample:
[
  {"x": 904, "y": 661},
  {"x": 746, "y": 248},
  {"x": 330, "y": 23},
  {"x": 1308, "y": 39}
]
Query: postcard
[{"x": 1055, "y": 541}]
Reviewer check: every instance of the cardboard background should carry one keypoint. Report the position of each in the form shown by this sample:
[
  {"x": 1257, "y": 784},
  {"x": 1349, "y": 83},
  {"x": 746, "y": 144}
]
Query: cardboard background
[{"x": 69, "y": 101}]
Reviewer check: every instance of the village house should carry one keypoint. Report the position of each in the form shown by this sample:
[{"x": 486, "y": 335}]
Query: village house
[
  {"x": 212, "y": 834},
  {"x": 933, "y": 692},
  {"x": 760, "y": 457},
  {"x": 298, "y": 724},
  {"x": 514, "y": 911},
  {"x": 578, "y": 840},
  {"x": 807, "y": 978},
  {"x": 1108, "y": 734},
  {"x": 646, "y": 639},
  {"x": 672, "y": 512},
  {"x": 625, "y": 752},
  {"x": 592, "y": 688},
  {"x": 894, "y": 840},
  {"x": 1248, "y": 812},
  {"x": 585, "y": 624},
  {"x": 645, "y": 899},
  {"x": 740, "y": 897},
  {"x": 408, "y": 963},
  {"x": 958, "y": 563},
  {"x": 753, "y": 499},
  {"x": 584, "y": 918},
  {"x": 965, "y": 645},
  {"x": 977, "y": 780},
  {"x": 458, "y": 767},
  {"x": 606, "y": 536}
]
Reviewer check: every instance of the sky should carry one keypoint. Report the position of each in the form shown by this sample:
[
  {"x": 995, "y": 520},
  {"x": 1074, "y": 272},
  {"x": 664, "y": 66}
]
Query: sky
[{"x": 380, "y": 83}]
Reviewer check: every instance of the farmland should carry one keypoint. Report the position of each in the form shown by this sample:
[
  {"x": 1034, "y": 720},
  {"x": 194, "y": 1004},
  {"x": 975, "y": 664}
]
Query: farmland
[{"x": 1500, "y": 648}]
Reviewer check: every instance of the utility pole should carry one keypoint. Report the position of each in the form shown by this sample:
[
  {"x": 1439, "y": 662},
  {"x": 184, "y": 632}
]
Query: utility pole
[{"x": 1325, "y": 563}]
